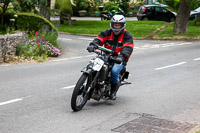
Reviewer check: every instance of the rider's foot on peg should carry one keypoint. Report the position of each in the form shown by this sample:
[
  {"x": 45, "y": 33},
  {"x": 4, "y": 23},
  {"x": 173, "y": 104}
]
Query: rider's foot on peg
[
  {"x": 113, "y": 95},
  {"x": 114, "y": 88}
]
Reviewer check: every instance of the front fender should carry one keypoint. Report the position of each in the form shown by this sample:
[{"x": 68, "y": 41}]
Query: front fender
[{"x": 86, "y": 70}]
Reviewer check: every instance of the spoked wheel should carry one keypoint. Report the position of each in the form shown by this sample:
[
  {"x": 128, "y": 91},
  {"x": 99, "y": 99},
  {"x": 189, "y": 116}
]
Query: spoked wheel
[{"x": 79, "y": 96}]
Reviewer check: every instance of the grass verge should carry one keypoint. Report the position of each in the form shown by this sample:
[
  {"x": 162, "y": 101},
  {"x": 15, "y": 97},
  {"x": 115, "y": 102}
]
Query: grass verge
[
  {"x": 193, "y": 33},
  {"x": 138, "y": 29}
]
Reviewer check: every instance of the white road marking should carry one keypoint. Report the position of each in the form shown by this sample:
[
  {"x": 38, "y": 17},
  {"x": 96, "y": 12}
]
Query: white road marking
[
  {"x": 65, "y": 39},
  {"x": 196, "y": 59},
  {"x": 164, "y": 45},
  {"x": 90, "y": 55},
  {"x": 89, "y": 39},
  {"x": 160, "y": 68},
  {"x": 186, "y": 43},
  {"x": 61, "y": 59},
  {"x": 137, "y": 48},
  {"x": 14, "y": 100},
  {"x": 5, "y": 65},
  {"x": 78, "y": 57},
  {"x": 72, "y": 58},
  {"x": 155, "y": 46},
  {"x": 168, "y": 45},
  {"x": 11, "y": 101},
  {"x": 68, "y": 87}
]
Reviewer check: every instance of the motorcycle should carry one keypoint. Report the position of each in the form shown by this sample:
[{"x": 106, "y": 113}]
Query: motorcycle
[
  {"x": 108, "y": 15},
  {"x": 94, "y": 83}
]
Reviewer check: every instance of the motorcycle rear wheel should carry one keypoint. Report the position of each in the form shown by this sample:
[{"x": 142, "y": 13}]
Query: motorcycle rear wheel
[
  {"x": 103, "y": 18},
  {"x": 79, "y": 95}
]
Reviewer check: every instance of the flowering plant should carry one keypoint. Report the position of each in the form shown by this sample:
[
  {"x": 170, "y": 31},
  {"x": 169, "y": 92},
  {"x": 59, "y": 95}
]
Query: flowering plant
[
  {"x": 36, "y": 45},
  {"x": 91, "y": 3}
]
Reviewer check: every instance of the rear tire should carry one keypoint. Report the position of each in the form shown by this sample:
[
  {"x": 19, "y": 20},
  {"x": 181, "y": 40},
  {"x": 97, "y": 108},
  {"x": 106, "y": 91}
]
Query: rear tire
[
  {"x": 79, "y": 95},
  {"x": 171, "y": 19},
  {"x": 103, "y": 18}
]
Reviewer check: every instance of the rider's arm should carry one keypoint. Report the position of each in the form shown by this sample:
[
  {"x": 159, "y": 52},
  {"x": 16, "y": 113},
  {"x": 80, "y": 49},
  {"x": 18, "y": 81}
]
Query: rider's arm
[
  {"x": 100, "y": 39},
  {"x": 127, "y": 48}
]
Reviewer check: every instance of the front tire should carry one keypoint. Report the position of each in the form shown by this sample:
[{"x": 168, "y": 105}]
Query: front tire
[{"x": 79, "y": 95}]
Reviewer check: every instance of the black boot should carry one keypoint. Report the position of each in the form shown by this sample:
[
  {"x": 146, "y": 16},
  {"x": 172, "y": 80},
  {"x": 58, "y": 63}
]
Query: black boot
[{"x": 114, "y": 88}]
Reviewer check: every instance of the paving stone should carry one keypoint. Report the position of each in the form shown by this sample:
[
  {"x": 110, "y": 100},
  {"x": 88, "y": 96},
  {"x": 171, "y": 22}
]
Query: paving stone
[{"x": 149, "y": 124}]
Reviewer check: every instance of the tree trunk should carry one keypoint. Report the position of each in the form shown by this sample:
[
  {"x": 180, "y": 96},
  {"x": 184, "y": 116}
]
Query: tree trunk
[
  {"x": 181, "y": 23},
  {"x": 69, "y": 20},
  {"x": 4, "y": 9}
]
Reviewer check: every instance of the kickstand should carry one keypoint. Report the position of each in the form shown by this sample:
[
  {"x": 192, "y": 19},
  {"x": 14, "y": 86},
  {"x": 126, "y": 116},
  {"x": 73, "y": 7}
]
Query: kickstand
[{"x": 125, "y": 82}]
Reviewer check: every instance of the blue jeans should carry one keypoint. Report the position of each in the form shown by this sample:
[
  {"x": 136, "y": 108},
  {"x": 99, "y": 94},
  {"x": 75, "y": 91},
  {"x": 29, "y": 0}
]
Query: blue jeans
[{"x": 115, "y": 73}]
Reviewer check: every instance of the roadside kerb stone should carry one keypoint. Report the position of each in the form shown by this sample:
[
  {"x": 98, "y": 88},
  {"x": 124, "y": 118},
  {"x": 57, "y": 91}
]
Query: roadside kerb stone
[{"x": 8, "y": 46}]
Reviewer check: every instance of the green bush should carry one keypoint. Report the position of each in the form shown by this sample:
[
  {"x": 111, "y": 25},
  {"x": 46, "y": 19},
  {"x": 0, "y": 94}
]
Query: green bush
[
  {"x": 3, "y": 29},
  {"x": 124, "y": 6},
  {"x": 66, "y": 7},
  {"x": 31, "y": 23},
  {"x": 174, "y": 4},
  {"x": 109, "y": 6}
]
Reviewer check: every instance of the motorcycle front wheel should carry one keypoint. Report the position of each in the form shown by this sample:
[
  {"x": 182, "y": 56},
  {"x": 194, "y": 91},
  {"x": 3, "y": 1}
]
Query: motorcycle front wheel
[{"x": 79, "y": 95}]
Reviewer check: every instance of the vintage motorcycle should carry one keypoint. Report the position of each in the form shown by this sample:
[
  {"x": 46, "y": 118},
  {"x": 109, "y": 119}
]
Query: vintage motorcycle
[
  {"x": 95, "y": 80},
  {"x": 108, "y": 15}
]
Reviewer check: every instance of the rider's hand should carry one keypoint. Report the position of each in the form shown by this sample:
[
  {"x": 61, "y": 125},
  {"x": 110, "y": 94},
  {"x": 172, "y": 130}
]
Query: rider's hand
[{"x": 91, "y": 48}]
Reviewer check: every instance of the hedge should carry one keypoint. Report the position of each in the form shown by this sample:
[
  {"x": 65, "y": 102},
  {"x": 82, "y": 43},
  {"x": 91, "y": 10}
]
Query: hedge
[{"x": 31, "y": 22}]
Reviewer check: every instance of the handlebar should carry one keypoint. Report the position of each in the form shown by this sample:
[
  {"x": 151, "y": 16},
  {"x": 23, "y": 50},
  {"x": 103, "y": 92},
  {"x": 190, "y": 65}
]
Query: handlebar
[
  {"x": 113, "y": 59},
  {"x": 104, "y": 49}
]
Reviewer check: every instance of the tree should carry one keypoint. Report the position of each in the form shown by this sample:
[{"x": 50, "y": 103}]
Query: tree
[
  {"x": 65, "y": 8},
  {"x": 45, "y": 9},
  {"x": 181, "y": 23},
  {"x": 4, "y": 6},
  {"x": 30, "y": 5}
]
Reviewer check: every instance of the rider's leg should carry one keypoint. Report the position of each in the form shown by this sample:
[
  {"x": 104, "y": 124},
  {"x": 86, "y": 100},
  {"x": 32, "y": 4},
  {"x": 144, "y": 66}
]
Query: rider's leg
[{"x": 115, "y": 79}]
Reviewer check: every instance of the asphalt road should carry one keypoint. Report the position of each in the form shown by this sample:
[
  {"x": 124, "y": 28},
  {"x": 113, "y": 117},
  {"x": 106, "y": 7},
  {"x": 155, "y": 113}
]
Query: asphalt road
[{"x": 35, "y": 97}]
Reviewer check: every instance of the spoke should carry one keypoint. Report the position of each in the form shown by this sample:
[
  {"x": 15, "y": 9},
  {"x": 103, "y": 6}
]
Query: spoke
[{"x": 79, "y": 100}]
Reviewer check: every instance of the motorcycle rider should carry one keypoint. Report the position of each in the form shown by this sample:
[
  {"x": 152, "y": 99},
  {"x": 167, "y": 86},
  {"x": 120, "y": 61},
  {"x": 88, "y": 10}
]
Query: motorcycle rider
[{"x": 119, "y": 40}]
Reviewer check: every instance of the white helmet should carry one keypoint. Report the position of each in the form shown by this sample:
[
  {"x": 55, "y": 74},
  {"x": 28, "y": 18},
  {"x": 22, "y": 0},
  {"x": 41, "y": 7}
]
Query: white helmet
[{"x": 118, "y": 19}]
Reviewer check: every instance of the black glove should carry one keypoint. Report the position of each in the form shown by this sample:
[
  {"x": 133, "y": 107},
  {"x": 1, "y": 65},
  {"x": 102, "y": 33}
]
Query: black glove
[{"x": 91, "y": 48}]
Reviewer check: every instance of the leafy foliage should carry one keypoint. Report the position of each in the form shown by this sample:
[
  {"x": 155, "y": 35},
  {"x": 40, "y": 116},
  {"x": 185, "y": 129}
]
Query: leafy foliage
[
  {"x": 124, "y": 5},
  {"x": 64, "y": 6},
  {"x": 110, "y": 6},
  {"x": 174, "y": 4},
  {"x": 31, "y": 22},
  {"x": 193, "y": 3}
]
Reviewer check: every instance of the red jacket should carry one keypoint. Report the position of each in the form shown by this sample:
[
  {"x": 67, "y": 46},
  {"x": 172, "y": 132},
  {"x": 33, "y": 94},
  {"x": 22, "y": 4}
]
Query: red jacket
[{"x": 123, "y": 47}]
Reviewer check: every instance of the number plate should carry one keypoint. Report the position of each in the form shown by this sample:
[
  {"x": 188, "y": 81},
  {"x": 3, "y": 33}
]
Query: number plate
[{"x": 98, "y": 63}]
